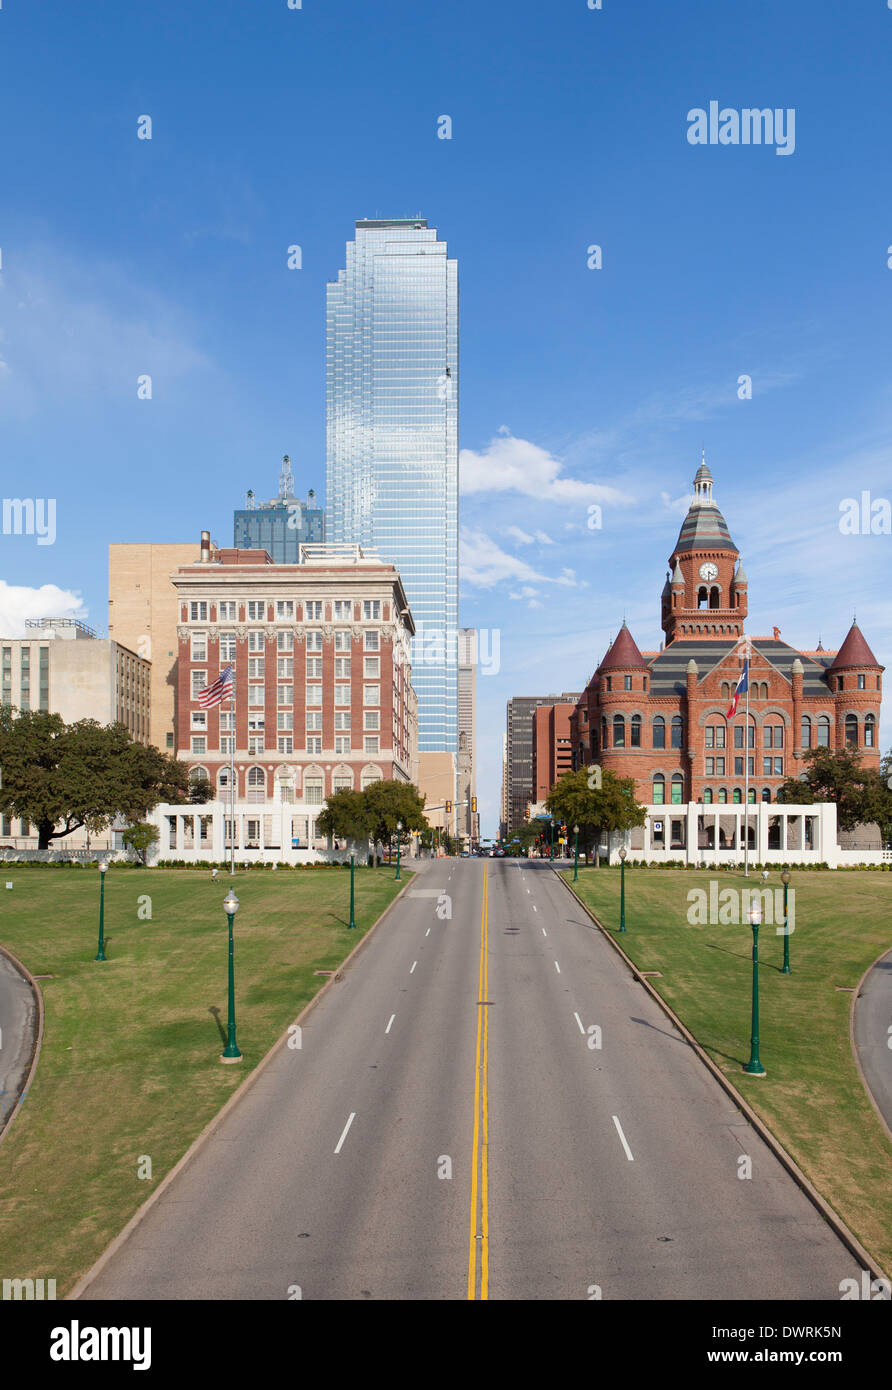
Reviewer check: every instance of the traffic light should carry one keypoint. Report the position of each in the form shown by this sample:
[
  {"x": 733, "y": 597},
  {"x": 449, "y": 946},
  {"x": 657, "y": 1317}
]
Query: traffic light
[
  {"x": 474, "y": 805},
  {"x": 449, "y": 808}
]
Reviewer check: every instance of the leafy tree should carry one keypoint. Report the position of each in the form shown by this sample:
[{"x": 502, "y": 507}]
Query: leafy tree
[
  {"x": 837, "y": 774},
  {"x": 83, "y": 774},
  {"x": 200, "y": 791},
  {"x": 347, "y": 815},
  {"x": 140, "y": 837},
  {"x": 390, "y": 802},
  {"x": 612, "y": 806},
  {"x": 527, "y": 834}
]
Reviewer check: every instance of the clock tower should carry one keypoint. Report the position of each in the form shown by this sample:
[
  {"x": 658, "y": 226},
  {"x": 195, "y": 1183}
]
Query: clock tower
[{"x": 705, "y": 594}]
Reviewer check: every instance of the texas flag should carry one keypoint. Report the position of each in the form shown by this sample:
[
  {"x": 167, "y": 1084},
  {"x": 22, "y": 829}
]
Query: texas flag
[{"x": 743, "y": 686}]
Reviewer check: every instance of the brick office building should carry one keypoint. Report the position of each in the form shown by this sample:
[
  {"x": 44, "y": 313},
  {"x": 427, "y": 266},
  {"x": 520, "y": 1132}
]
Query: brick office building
[
  {"x": 323, "y": 694},
  {"x": 660, "y": 717},
  {"x": 552, "y": 747}
]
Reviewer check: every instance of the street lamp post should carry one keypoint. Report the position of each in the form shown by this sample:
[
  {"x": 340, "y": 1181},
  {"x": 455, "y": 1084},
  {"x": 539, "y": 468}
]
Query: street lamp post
[
  {"x": 785, "y": 880},
  {"x": 551, "y": 840},
  {"x": 399, "y": 831},
  {"x": 754, "y": 1065},
  {"x": 352, "y": 867},
  {"x": 622, "y": 889},
  {"x": 230, "y": 1052},
  {"x": 575, "y": 853},
  {"x": 103, "y": 870}
]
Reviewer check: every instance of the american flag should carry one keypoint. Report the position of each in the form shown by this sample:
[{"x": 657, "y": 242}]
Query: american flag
[{"x": 221, "y": 689}]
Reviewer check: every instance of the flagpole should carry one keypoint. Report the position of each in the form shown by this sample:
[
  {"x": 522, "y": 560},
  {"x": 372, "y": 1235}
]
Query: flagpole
[
  {"x": 232, "y": 783},
  {"x": 746, "y": 783}
]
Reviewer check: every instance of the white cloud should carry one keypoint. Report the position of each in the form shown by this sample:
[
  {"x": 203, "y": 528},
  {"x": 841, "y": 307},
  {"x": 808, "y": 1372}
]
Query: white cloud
[
  {"x": 522, "y": 537},
  {"x": 18, "y": 602},
  {"x": 677, "y": 504},
  {"x": 517, "y": 465},
  {"x": 543, "y": 538},
  {"x": 483, "y": 564}
]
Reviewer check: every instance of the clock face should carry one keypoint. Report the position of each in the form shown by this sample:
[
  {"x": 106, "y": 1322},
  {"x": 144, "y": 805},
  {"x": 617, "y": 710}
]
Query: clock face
[{"x": 709, "y": 571}]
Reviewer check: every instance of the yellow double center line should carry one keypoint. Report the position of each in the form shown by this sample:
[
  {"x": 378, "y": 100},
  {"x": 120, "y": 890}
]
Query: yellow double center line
[{"x": 479, "y": 1238}]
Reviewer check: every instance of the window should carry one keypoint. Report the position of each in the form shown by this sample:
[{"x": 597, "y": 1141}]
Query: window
[
  {"x": 659, "y": 732},
  {"x": 371, "y": 719},
  {"x": 285, "y": 667},
  {"x": 372, "y": 641},
  {"x": 342, "y": 743},
  {"x": 371, "y": 608},
  {"x": 342, "y": 668},
  {"x": 823, "y": 732},
  {"x": 342, "y": 694},
  {"x": 720, "y": 767},
  {"x": 255, "y": 668},
  {"x": 198, "y": 612},
  {"x": 707, "y": 796},
  {"x": 313, "y": 610},
  {"x": 285, "y": 744},
  {"x": 343, "y": 610},
  {"x": 285, "y": 720},
  {"x": 677, "y": 788},
  {"x": 766, "y": 793},
  {"x": 677, "y": 728},
  {"x": 342, "y": 719},
  {"x": 314, "y": 641},
  {"x": 314, "y": 744},
  {"x": 314, "y": 720},
  {"x": 627, "y": 682},
  {"x": 806, "y": 731},
  {"x": 314, "y": 694},
  {"x": 227, "y": 743},
  {"x": 371, "y": 694},
  {"x": 370, "y": 743},
  {"x": 256, "y": 641},
  {"x": 738, "y": 796},
  {"x": 285, "y": 641},
  {"x": 255, "y": 695},
  {"x": 371, "y": 667},
  {"x": 738, "y": 736},
  {"x": 723, "y": 795},
  {"x": 851, "y": 731},
  {"x": 774, "y": 735},
  {"x": 659, "y": 789},
  {"x": 285, "y": 694},
  {"x": 619, "y": 731},
  {"x": 227, "y": 647},
  {"x": 710, "y": 767},
  {"x": 199, "y": 681},
  {"x": 199, "y": 719},
  {"x": 168, "y": 740},
  {"x": 342, "y": 641},
  {"x": 314, "y": 668},
  {"x": 608, "y": 682},
  {"x": 199, "y": 743},
  {"x": 199, "y": 646},
  {"x": 226, "y": 610},
  {"x": 284, "y": 608},
  {"x": 766, "y": 767},
  {"x": 313, "y": 790},
  {"x": 256, "y": 610},
  {"x": 751, "y": 799},
  {"x": 635, "y": 731},
  {"x": 342, "y": 782},
  {"x": 778, "y": 767},
  {"x": 869, "y": 730},
  {"x": 738, "y": 767},
  {"x": 256, "y": 785},
  {"x": 862, "y": 682}
]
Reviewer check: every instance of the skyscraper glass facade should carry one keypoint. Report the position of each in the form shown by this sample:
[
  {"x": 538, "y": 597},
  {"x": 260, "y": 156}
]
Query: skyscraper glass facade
[{"x": 392, "y": 438}]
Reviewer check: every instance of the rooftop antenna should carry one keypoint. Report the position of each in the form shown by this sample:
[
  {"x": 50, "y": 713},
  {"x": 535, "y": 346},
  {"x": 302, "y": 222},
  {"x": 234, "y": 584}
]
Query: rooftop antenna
[{"x": 286, "y": 478}]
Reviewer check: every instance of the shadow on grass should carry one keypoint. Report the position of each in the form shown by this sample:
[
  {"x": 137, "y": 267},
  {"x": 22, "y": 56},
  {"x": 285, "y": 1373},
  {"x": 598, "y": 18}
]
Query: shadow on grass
[
  {"x": 747, "y": 956},
  {"x": 218, "y": 1020}
]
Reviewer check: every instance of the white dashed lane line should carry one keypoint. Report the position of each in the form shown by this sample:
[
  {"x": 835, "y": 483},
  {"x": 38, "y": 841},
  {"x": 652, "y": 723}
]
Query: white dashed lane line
[
  {"x": 619, "y": 1130},
  {"x": 579, "y": 1021},
  {"x": 346, "y": 1127},
  {"x": 392, "y": 1017}
]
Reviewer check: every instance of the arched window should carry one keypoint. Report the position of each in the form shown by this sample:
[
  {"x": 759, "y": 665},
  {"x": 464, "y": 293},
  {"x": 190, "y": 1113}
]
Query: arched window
[
  {"x": 658, "y": 790},
  {"x": 806, "y": 731},
  {"x": 823, "y": 732},
  {"x": 702, "y": 597},
  {"x": 714, "y": 597},
  {"x": 223, "y": 780},
  {"x": 752, "y": 796},
  {"x": 370, "y": 775},
  {"x": 342, "y": 779},
  {"x": 851, "y": 731},
  {"x": 870, "y": 725},
  {"x": 635, "y": 732},
  {"x": 198, "y": 774},
  {"x": 726, "y": 690},
  {"x": 677, "y": 788},
  {"x": 766, "y": 793},
  {"x": 723, "y": 795},
  {"x": 256, "y": 785},
  {"x": 677, "y": 727},
  {"x": 619, "y": 731},
  {"x": 707, "y": 796},
  {"x": 737, "y": 797}
]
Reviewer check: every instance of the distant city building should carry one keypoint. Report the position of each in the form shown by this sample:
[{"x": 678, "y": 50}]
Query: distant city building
[
  {"x": 552, "y": 747},
  {"x": 323, "y": 693},
  {"x": 519, "y": 753},
  {"x": 282, "y": 525},
  {"x": 392, "y": 437}
]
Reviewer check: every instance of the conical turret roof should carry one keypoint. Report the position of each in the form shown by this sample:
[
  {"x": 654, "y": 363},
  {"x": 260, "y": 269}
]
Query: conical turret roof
[
  {"x": 623, "y": 653},
  {"x": 854, "y": 651}
]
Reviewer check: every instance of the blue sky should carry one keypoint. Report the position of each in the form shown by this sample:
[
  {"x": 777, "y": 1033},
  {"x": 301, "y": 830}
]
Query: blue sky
[{"x": 274, "y": 126}]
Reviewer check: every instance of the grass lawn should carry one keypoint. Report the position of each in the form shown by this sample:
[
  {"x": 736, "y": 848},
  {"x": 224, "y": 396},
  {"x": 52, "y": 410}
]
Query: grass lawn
[
  {"x": 812, "y": 1098},
  {"x": 129, "y": 1064}
]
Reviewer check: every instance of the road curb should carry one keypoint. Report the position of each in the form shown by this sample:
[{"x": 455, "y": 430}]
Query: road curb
[
  {"x": 864, "y": 1082},
  {"x": 213, "y": 1124},
  {"x": 38, "y": 1042},
  {"x": 852, "y": 1244}
]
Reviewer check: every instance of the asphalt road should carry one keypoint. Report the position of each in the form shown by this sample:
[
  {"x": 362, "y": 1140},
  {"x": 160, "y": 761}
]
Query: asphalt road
[
  {"x": 18, "y": 1034},
  {"x": 449, "y": 1129},
  {"x": 873, "y": 1034}
]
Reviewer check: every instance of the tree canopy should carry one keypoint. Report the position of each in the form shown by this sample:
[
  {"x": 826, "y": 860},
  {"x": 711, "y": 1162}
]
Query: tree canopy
[
  {"x": 612, "y": 806},
  {"x": 63, "y": 776},
  {"x": 837, "y": 774}
]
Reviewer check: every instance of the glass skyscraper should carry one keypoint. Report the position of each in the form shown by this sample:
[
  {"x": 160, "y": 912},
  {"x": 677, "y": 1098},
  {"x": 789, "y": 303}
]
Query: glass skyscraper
[{"x": 392, "y": 438}]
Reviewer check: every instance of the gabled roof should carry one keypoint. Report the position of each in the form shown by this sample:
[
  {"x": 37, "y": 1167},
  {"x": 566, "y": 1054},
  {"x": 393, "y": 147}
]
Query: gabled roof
[
  {"x": 669, "y": 666},
  {"x": 854, "y": 651},
  {"x": 623, "y": 652}
]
